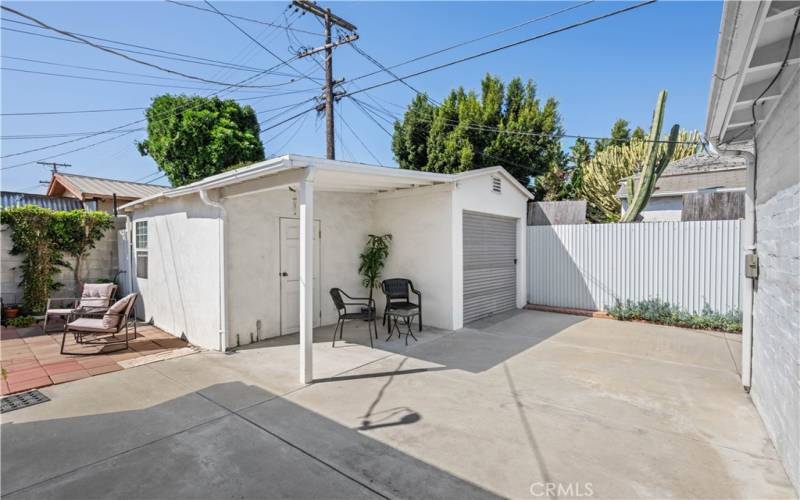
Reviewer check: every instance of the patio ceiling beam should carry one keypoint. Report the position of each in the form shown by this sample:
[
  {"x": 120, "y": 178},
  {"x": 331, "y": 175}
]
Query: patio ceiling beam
[
  {"x": 306, "y": 249},
  {"x": 266, "y": 183}
]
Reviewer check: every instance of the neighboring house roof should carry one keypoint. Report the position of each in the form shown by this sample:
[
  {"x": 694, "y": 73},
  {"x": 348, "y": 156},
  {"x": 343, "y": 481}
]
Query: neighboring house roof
[
  {"x": 333, "y": 174},
  {"x": 12, "y": 199},
  {"x": 696, "y": 173},
  {"x": 85, "y": 187}
]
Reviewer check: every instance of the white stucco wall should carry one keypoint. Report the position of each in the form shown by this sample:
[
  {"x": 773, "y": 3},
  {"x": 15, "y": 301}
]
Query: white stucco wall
[
  {"x": 254, "y": 262},
  {"x": 476, "y": 195},
  {"x": 101, "y": 264},
  {"x": 181, "y": 293},
  {"x": 660, "y": 209},
  {"x": 421, "y": 227},
  {"x": 776, "y": 309}
]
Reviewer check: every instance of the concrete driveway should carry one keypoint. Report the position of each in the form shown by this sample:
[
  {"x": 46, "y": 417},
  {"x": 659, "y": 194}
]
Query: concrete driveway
[{"x": 524, "y": 405}]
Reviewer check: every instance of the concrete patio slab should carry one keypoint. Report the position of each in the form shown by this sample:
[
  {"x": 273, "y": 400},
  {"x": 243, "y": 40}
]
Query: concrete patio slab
[{"x": 501, "y": 408}]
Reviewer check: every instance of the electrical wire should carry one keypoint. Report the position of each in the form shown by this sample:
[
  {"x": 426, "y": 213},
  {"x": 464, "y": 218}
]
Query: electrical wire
[
  {"x": 120, "y": 54},
  {"x": 473, "y": 40},
  {"x": 346, "y": 124},
  {"x": 247, "y": 90},
  {"x": 509, "y": 45},
  {"x": 104, "y": 70},
  {"x": 181, "y": 57},
  {"x": 273, "y": 54},
  {"x": 785, "y": 63},
  {"x": 285, "y": 28}
]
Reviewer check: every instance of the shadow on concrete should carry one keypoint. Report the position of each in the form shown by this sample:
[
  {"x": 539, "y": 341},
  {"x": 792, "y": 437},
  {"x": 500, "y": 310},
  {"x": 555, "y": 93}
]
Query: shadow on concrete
[
  {"x": 486, "y": 343},
  {"x": 196, "y": 446}
]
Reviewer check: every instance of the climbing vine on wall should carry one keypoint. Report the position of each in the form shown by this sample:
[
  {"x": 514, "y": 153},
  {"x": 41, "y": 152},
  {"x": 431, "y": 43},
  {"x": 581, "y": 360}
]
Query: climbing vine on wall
[{"x": 42, "y": 237}]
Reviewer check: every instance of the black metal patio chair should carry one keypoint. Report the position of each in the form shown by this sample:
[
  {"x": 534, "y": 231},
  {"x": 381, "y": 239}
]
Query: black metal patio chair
[
  {"x": 398, "y": 292},
  {"x": 366, "y": 312}
]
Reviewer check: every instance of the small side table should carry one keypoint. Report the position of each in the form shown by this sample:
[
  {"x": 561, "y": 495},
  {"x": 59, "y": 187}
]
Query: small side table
[{"x": 405, "y": 317}]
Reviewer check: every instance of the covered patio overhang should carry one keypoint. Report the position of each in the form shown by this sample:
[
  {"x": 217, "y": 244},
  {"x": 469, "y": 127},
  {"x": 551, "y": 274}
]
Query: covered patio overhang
[{"x": 305, "y": 176}]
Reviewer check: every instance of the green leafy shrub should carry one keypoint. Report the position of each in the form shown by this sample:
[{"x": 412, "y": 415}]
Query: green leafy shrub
[
  {"x": 21, "y": 321},
  {"x": 661, "y": 312},
  {"x": 42, "y": 236}
]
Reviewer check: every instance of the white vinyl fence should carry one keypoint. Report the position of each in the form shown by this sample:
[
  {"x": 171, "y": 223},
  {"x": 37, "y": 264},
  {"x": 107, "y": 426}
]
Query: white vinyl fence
[{"x": 688, "y": 264}]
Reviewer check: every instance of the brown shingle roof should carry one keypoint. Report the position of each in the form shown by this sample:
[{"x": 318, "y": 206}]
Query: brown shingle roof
[{"x": 697, "y": 173}]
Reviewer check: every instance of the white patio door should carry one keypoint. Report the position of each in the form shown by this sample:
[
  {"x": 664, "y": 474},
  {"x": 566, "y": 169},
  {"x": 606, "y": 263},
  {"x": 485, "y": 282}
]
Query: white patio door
[{"x": 290, "y": 275}]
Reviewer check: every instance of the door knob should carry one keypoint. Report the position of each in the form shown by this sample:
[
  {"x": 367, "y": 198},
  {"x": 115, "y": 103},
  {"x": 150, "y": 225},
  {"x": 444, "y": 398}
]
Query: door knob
[{"x": 284, "y": 273}]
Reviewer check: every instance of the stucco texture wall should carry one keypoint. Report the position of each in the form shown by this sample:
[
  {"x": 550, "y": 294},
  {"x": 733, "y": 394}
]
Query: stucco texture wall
[
  {"x": 776, "y": 310},
  {"x": 476, "y": 195},
  {"x": 420, "y": 225},
  {"x": 101, "y": 264},
  {"x": 181, "y": 293},
  {"x": 253, "y": 255}
]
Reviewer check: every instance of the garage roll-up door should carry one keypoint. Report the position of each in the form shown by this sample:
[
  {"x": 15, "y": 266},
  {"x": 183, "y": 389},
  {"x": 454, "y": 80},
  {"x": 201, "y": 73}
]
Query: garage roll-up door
[{"x": 490, "y": 268}]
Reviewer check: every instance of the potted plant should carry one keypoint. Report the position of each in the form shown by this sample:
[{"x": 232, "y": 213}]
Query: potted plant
[
  {"x": 11, "y": 311},
  {"x": 373, "y": 258}
]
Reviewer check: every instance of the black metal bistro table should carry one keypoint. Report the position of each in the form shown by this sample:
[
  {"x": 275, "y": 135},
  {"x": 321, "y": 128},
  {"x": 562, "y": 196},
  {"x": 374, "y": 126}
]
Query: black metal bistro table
[{"x": 402, "y": 318}]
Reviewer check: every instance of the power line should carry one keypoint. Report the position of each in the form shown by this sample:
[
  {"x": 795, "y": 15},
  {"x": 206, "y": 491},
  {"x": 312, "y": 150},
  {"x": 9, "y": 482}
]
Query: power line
[
  {"x": 104, "y": 70},
  {"x": 273, "y": 54},
  {"x": 509, "y": 45},
  {"x": 36, "y": 113},
  {"x": 64, "y": 134},
  {"x": 290, "y": 118},
  {"x": 117, "y": 53},
  {"x": 285, "y": 28},
  {"x": 181, "y": 57},
  {"x": 346, "y": 124},
  {"x": 477, "y": 39},
  {"x": 249, "y": 89}
]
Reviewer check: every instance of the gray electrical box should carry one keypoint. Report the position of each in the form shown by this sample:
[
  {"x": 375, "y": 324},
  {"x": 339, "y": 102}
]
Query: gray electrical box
[{"x": 751, "y": 265}]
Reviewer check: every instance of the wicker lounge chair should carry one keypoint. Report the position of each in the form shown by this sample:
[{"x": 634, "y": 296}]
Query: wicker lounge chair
[{"x": 366, "y": 312}]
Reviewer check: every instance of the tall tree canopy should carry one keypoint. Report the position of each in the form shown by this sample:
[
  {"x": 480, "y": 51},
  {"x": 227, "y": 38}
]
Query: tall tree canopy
[
  {"x": 505, "y": 125},
  {"x": 192, "y": 137}
]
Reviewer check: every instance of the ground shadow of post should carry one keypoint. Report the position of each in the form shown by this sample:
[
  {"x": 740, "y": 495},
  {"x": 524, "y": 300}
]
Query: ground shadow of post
[{"x": 199, "y": 446}]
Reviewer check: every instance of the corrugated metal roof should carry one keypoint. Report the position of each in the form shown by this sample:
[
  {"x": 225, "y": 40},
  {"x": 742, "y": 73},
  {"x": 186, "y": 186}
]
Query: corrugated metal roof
[
  {"x": 697, "y": 173},
  {"x": 87, "y": 185},
  {"x": 12, "y": 199}
]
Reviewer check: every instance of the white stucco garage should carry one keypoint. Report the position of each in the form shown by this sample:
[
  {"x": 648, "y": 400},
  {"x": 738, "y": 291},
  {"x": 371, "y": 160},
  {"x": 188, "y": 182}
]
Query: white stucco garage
[{"x": 251, "y": 253}]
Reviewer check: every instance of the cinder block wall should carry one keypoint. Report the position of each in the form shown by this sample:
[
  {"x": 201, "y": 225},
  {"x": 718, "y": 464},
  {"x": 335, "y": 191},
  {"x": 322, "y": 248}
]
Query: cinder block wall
[
  {"x": 776, "y": 311},
  {"x": 101, "y": 264}
]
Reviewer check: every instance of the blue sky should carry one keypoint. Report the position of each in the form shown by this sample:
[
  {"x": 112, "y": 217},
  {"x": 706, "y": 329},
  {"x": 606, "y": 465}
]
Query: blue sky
[{"x": 610, "y": 69}]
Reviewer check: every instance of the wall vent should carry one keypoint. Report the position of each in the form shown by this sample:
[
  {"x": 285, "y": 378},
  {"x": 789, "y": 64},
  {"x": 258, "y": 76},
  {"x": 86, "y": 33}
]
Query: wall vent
[{"x": 497, "y": 187}]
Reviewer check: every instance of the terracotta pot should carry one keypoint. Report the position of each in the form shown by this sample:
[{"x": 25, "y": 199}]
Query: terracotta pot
[{"x": 11, "y": 312}]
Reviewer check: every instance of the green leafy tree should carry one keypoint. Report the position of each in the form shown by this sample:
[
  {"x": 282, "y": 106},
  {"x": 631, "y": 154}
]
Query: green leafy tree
[
  {"x": 192, "y": 137},
  {"x": 505, "y": 125},
  {"x": 77, "y": 233}
]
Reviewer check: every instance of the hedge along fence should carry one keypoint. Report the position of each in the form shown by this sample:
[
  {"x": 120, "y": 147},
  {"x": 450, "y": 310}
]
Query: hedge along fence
[{"x": 48, "y": 240}]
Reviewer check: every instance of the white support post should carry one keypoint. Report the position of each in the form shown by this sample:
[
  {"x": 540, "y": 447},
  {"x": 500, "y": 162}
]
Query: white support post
[{"x": 306, "y": 209}]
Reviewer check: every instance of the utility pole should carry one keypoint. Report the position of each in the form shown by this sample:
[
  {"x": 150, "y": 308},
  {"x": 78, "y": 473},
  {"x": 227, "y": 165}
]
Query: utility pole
[
  {"x": 329, "y": 19},
  {"x": 53, "y": 168},
  {"x": 53, "y": 165}
]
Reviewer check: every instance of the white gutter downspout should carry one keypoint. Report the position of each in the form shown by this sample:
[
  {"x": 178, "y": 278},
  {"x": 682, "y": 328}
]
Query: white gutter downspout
[
  {"x": 223, "y": 301},
  {"x": 748, "y": 248}
]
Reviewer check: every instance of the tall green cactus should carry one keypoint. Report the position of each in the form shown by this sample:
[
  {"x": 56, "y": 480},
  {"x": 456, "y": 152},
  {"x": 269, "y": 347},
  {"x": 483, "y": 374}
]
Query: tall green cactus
[{"x": 656, "y": 161}]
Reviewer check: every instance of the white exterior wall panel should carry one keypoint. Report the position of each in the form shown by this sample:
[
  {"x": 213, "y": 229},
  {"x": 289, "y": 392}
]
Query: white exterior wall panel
[{"x": 688, "y": 264}]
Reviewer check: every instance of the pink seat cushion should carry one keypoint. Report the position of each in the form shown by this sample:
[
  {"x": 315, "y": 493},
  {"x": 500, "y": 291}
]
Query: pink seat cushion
[
  {"x": 89, "y": 325},
  {"x": 59, "y": 312},
  {"x": 96, "y": 294},
  {"x": 112, "y": 317}
]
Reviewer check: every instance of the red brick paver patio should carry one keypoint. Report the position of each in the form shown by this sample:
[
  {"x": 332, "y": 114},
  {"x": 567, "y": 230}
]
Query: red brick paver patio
[{"x": 32, "y": 359}]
